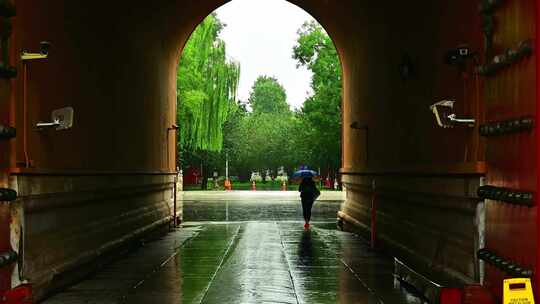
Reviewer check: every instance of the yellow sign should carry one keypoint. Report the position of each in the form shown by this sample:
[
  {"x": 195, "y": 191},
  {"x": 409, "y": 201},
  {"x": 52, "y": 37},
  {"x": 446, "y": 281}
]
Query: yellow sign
[{"x": 517, "y": 291}]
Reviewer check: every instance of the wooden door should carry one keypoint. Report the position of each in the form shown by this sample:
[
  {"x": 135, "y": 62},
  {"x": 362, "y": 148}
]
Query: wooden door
[{"x": 510, "y": 132}]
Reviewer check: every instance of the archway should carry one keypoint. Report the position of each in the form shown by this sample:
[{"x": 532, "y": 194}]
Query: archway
[
  {"x": 295, "y": 58},
  {"x": 115, "y": 64}
]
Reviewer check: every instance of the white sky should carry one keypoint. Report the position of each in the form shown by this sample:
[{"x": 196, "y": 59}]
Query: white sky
[{"x": 260, "y": 34}]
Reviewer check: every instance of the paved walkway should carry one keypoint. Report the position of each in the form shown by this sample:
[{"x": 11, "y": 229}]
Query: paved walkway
[
  {"x": 257, "y": 206},
  {"x": 247, "y": 261}
]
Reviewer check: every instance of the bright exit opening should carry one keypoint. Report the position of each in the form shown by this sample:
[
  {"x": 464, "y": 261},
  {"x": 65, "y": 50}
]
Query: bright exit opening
[{"x": 258, "y": 98}]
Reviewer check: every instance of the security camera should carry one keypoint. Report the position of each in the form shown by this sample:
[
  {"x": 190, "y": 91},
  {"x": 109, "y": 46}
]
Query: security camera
[
  {"x": 445, "y": 116},
  {"x": 458, "y": 56},
  {"x": 44, "y": 47}
]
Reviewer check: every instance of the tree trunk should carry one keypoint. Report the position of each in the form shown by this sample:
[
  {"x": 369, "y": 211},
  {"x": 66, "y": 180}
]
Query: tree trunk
[{"x": 205, "y": 171}]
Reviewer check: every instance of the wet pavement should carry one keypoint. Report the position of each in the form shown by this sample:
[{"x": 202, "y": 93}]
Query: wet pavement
[
  {"x": 261, "y": 254},
  {"x": 257, "y": 206}
]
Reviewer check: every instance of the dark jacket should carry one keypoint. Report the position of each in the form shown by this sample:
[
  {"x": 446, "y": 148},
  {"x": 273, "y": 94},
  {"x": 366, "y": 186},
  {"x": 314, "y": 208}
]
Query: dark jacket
[{"x": 308, "y": 189}]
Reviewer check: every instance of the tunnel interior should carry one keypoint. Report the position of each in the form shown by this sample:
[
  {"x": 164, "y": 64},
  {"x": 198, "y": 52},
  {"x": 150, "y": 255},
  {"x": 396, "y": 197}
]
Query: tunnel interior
[{"x": 111, "y": 177}]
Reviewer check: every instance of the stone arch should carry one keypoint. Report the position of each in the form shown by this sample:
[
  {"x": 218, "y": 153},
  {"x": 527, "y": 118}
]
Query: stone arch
[{"x": 115, "y": 63}]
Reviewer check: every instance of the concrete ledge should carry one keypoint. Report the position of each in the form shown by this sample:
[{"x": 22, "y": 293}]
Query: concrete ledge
[
  {"x": 405, "y": 252},
  {"x": 427, "y": 284},
  {"x": 85, "y": 264},
  {"x": 429, "y": 223},
  {"x": 73, "y": 223}
]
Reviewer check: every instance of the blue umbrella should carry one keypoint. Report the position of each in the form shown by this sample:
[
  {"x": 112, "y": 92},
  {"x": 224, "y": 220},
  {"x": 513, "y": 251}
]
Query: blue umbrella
[{"x": 305, "y": 173}]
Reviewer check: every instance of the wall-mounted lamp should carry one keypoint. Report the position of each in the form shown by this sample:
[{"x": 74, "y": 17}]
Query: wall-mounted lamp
[
  {"x": 363, "y": 127},
  {"x": 174, "y": 127},
  {"x": 43, "y": 52},
  {"x": 407, "y": 69},
  {"x": 445, "y": 116},
  {"x": 358, "y": 126}
]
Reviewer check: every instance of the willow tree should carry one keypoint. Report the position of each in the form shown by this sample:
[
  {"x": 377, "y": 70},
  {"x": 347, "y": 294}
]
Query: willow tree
[{"x": 207, "y": 84}]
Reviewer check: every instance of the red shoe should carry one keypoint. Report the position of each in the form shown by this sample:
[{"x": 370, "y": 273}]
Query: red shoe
[{"x": 306, "y": 226}]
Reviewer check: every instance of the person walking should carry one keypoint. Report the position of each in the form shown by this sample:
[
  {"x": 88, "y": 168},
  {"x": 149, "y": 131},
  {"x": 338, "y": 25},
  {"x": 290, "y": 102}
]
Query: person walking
[{"x": 308, "y": 194}]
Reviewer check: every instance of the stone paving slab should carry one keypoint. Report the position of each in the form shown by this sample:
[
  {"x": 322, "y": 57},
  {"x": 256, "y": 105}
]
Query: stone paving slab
[
  {"x": 285, "y": 208},
  {"x": 246, "y": 262},
  {"x": 253, "y": 259},
  {"x": 110, "y": 285}
]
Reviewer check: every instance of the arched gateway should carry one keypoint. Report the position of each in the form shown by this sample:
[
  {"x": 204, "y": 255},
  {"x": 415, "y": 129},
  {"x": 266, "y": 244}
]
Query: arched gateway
[{"x": 431, "y": 196}]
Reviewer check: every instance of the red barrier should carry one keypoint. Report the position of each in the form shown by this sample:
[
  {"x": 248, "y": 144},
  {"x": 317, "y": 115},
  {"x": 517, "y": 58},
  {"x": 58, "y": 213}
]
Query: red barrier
[
  {"x": 19, "y": 295},
  {"x": 476, "y": 294},
  {"x": 451, "y": 296}
]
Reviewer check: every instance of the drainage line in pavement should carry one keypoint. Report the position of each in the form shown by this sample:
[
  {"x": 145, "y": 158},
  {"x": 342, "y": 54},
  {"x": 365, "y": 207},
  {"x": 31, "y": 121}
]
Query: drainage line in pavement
[
  {"x": 370, "y": 290},
  {"x": 177, "y": 251},
  {"x": 362, "y": 282},
  {"x": 186, "y": 241},
  {"x": 288, "y": 263},
  {"x": 225, "y": 255}
]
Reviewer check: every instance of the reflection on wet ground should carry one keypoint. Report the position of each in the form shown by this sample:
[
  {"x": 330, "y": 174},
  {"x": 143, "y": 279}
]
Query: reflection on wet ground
[
  {"x": 257, "y": 206},
  {"x": 231, "y": 211},
  {"x": 254, "y": 259}
]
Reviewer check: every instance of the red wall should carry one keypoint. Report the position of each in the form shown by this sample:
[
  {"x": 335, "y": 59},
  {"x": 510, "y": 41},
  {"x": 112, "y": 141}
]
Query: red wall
[
  {"x": 117, "y": 69},
  {"x": 113, "y": 64}
]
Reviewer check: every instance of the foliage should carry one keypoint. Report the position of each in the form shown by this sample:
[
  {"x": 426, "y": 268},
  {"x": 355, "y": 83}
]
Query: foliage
[
  {"x": 215, "y": 127},
  {"x": 262, "y": 141},
  {"x": 268, "y": 96},
  {"x": 207, "y": 83},
  {"x": 321, "y": 113}
]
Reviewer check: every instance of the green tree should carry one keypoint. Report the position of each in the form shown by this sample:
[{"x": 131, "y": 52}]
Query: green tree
[
  {"x": 268, "y": 96},
  {"x": 261, "y": 139},
  {"x": 320, "y": 132},
  {"x": 214, "y": 124},
  {"x": 207, "y": 84}
]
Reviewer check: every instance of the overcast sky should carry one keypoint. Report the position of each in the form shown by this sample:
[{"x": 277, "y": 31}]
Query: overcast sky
[{"x": 260, "y": 34}]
